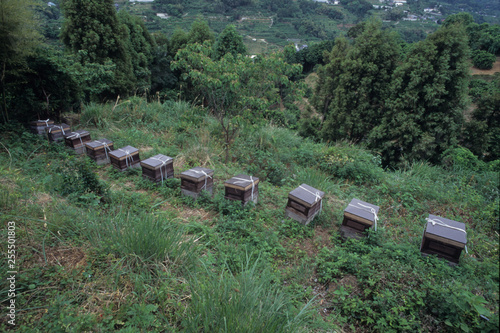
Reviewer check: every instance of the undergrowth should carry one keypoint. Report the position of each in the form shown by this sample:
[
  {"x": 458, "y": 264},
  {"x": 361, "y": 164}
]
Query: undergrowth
[{"x": 102, "y": 250}]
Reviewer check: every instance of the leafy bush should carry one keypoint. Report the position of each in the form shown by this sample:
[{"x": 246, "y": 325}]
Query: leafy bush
[
  {"x": 483, "y": 59},
  {"x": 349, "y": 162}
]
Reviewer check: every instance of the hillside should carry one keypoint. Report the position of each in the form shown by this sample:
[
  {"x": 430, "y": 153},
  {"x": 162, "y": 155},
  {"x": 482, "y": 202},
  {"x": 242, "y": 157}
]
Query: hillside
[{"x": 100, "y": 250}]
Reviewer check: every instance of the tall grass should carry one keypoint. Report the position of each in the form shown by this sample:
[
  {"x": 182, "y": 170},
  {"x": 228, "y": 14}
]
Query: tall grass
[
  {"x": 247, "y": 302},
  {"x": 142, "y": 237}
]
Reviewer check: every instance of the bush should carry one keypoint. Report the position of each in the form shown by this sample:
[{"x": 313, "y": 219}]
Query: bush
[
  {"x": 349, "y": 162},
  {"x": 483, "y": 59}
]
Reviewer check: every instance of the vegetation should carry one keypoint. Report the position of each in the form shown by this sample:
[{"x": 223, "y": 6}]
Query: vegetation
[
  {"x": 124, "y": 254},
  {"x": 402, "y": 126}
]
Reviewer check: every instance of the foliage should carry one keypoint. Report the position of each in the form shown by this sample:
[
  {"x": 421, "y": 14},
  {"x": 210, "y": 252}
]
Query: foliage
[
  {"x": 19, "y": 37},
  {"x": 236, "y": 88},
  {"x": 244, "y": 302},
  {"x": 483, "y": 131},
  {"x": 356, "y": 83},
  {"x": 428, "y": 95},
  {"x": 483, "y": 59},
  {"x": 139, "y": 47},
  {"x": 229, "y": 41}
]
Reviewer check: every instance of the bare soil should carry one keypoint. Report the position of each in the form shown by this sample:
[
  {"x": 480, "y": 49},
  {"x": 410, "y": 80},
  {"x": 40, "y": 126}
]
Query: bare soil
[{"x": 493, "y": 70}]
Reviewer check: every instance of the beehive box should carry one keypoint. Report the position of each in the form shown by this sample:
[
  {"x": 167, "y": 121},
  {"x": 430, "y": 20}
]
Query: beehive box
[
  {"x": 242, "y": 188},
  {"x": 99, "y": 150},
  {"x": 39, "y": 126},
  {"x": 444, "y": 238},
  {"x": 158, "y": 168},
  {"x": 125, "y": 158},
  {"x": 195, "y": 180},
  {"x": 358, "y": 217},
  {"x": 57, "y": 132},
  {"x": 76, "y": 140},
  {"x": 304, "y": 203}
]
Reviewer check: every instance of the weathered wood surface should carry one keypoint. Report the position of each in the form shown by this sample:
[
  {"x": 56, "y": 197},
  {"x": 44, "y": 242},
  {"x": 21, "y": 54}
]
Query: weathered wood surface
[
  {"x": 76, "y": 139},
  {"x": 97, "y": 149},
  {"x": 359, "y": 211},
  {"x": 241, "y": 182},
  {"x": 239, "y": 188},
  {"x": 444, "y": 237},
  {"x": 158, "y": 167},
  {"x": 197, "y": 174},
  {"x": 124, "y": 158},
  {"x": 40, "y": 126},
  {"x": 57, "y": 132},
  {"x": 306, "y": 195}
]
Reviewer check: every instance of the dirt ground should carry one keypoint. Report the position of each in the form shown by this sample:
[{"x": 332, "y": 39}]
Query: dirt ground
[{"x": 495, "y": 69}]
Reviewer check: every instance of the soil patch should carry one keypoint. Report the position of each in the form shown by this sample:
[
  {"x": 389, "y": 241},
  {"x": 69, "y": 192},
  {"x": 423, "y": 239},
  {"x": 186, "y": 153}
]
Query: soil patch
[{"x": 493, "y": 70}]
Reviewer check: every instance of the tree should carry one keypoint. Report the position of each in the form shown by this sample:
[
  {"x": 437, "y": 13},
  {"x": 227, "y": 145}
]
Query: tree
[
  {"x": 178, "y": 41},
  {"x": 139, "y": 46},
  {"x": 200, "y": 32},
  {"x": 236, "y": 89},
  {"x": 92, "y": 31},
  {"x": 229, "y": 41},
  {"x": 358, "y": 84},
  {"x": 482, "y": 133},
  {"x": 429, "y": 92},
  {"x": 483, "y": 59},
  {"x": 18, "y": 39}
]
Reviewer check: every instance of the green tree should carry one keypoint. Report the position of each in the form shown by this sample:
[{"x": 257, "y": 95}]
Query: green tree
[
  {"x": 482, "y": 133},
  {"x": 483, "y": 59},
  {"x": 92, "y": 31},
  {"x": 236, "y": 89},
  {"x": 200, "y": 32},
  {"x": 358, "y": 85},
  {"x": 429, "y": 92},
  {"x": 139, "y": 45},
  {"x": 18, "y": 39},
  {"x": 178, "y": 41},
  {"x": 229, "y": 41}
]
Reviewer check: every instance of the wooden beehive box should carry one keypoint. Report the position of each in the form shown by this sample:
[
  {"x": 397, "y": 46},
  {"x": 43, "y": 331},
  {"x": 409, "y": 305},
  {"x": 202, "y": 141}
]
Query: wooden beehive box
[
  {"x": 444, "y": 238},
  {"x": 358, "y": 217},
  {"x": 242, "y": 188},
  {"x": 40, "y": 126},
  {"x": 125, "y": 158},
  {"x": 76, "y": 140},
  {"x": 304, "y": 203},
  {"x": 99, "y": 150},
  {"x": 195, "y": 180},
  {"x": 57, "y": 132},
  {"x": 158, "y": 168}
]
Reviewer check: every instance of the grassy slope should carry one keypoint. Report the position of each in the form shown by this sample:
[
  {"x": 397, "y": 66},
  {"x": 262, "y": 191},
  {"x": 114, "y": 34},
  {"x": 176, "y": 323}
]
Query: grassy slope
[{"x": 139, "y": 257}]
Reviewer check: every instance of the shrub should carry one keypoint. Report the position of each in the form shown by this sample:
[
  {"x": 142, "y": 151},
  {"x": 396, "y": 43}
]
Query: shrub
[{"x": 483, "y": 59}]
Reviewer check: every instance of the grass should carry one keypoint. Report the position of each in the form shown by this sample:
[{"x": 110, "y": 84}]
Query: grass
[{"x": 101, "y": 250}]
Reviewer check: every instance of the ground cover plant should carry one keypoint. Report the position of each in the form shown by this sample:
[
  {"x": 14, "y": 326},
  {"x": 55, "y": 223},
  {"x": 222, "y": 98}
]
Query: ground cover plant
[{"x": 101, "y": 250}]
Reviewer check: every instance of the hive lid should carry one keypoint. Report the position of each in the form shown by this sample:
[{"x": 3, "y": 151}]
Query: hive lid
[
  {"x": 46, "y": 123},
  {"x": 124, "y": 152},
  {"x": 446, "y": 228},
  {"x": 197, "y": 174},
  {"x": 76, "y": 134},
  {"x": 306, "y": 195},
  {"x": 157, "y": 161},
  {"x": 58, "y": 128},
  {"x": 97, "y": 144},
  {"x": 362, "y": 209},
  {"x": 241, "y": 182}
]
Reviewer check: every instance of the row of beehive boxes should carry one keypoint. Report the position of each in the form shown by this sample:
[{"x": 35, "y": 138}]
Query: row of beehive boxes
[{"x": 442, "y": 237}]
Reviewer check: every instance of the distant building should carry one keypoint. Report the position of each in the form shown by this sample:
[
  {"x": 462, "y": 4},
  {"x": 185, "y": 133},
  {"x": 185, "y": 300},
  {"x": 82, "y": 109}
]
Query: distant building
[
  {"x": 51, "y": 4},
  {"x": 300, "y": 47},
  {"x": 142, "y": 0},
  {"x": 162, "y": 15}
]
